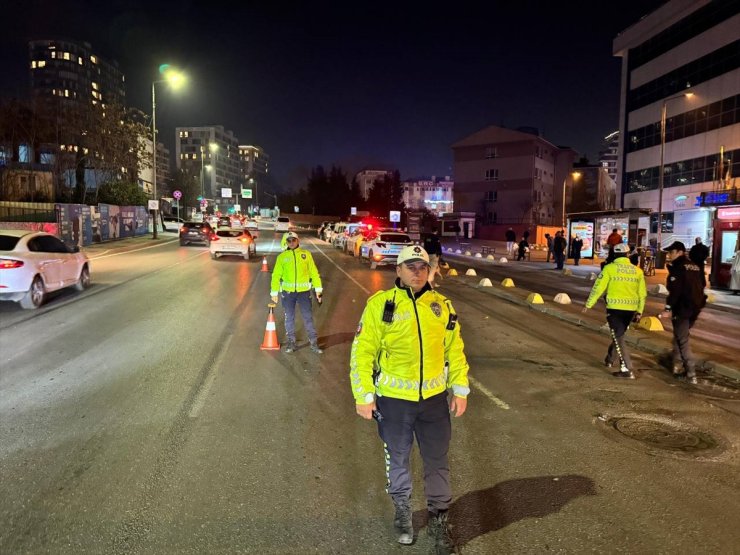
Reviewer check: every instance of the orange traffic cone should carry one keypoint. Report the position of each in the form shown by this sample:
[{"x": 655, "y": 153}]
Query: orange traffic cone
[
  {"x": 270, "y": 342},
  {"x": 264, "y": 265}
]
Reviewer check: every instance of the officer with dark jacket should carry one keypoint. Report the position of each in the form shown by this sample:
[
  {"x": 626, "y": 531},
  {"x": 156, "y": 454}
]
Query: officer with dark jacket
[
  {"x": 685, "y": 300},
  {"x": 698, "y": 255}
]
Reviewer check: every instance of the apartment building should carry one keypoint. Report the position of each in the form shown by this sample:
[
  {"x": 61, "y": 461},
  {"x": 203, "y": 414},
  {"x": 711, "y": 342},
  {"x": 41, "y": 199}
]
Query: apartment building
[
  {"x": 211, "y": 155},
  {"x": 254, "y": 167},
  {"x": 507, "y": 176},
  {"x": 433, "y": 193}
]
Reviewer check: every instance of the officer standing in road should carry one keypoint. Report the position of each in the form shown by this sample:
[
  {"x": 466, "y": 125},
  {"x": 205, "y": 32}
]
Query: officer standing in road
[
  {"x": 698, "y": 255},
  {"x": 624, "y": 285},
  {"x": 294, "y": 276},
  {"x": 685, "y": 300},
  {"x": 411, "y": 334}
]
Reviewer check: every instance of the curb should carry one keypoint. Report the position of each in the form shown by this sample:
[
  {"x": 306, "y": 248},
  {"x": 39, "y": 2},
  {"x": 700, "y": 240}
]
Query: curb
[{"x": 644, "y": 344}]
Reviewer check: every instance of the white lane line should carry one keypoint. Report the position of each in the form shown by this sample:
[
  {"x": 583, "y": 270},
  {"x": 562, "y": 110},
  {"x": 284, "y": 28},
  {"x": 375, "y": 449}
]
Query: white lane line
[
  {"x": 132, "y": 250},
  {"x": 200, "y": 399},
  {"x": 367, "y": 292},
  {"x": 498, "y": 402}
]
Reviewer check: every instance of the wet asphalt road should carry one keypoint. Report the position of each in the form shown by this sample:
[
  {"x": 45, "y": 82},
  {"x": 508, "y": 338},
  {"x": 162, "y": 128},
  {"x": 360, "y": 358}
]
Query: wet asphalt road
[{"x": 141, "y": 417}]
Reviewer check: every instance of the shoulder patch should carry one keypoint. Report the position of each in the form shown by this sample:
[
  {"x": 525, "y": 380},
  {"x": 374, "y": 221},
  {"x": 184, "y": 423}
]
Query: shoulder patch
[
  {"x": 436, "y": 309},
  {"x": 303, "y": 255}
]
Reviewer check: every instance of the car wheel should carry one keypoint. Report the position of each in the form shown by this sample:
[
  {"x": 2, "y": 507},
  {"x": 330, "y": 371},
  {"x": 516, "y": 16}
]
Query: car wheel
[
  {"x": 34, "y": 298},
  {"x": 84, "y": 281},
  {"x": 214, "y": 256}
]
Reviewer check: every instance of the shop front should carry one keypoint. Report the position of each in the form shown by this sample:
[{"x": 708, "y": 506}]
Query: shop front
[
  {"x": 594, "y": 229},
  {"x": 726, "y": 244}
]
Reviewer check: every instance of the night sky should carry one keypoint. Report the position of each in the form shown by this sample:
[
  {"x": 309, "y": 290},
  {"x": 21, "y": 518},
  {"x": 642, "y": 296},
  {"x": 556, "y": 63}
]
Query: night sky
[{"x": 355, "y": 84}]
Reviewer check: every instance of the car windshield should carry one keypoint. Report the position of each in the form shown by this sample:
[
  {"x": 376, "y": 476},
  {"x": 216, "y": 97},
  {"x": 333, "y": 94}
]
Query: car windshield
[
  {"x": 8, "y": 242},
  {"x": 394, "y": 238},
  {"x": 229, "y": 233},
  {"x": 283, "y": 220}
]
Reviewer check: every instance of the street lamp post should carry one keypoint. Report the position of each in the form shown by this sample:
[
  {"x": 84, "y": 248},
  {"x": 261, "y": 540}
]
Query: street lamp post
[
  {"x": 660, "y": 171},
  {"x": 175, "y": 79}
]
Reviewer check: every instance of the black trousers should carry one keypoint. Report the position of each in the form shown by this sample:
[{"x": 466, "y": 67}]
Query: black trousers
[
  {"x": 681, "y": 349},
  {"x": 619, "y": 321},
  {"x": 429, "y": 421}
]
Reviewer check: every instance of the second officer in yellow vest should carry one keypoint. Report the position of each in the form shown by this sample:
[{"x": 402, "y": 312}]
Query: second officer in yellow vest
[{"x": 294, "y": 276}]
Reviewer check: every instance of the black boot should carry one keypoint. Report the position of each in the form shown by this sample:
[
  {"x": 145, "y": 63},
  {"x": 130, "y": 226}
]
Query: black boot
[
  {"x": 404, "y": 522},
  {"x": 439, "y": 529}
]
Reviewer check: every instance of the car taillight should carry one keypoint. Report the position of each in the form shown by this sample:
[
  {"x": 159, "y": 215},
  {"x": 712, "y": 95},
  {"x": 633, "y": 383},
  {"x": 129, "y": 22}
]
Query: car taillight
[
  {"x": 183, "y": 229},
  {"x": 214, "y": 237},
  {"x": 378, "y": 257},
  {"x": 9, "y": 264},
  {"x": 380, "y": 245},
  {"x": 244, "y": 239}
]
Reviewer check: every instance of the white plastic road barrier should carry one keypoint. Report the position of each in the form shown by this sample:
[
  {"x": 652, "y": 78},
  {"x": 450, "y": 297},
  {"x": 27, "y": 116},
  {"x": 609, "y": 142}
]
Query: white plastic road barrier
[
  {"x": 478, "y": 255},
  {"x": 535, "y": 298},
  {"x": 503, "y": 260},
  {"x": 591, "y": 277},
  {"x": 567, "y": 272},
  {"x": 470, "y": 272},
  {"x": 485, "y": 282},
  {"x": 562, "y": 298},
  {"x": 658, "y": 289},
  {"x": 468, "y": 253},
  {"x": 711, "y": 298},
  {"x": 458, "y": 251},
  {"x": 490, "y": 257},
  {"x": 508, "y": 282},
  {"x": 449, "y": 249}
]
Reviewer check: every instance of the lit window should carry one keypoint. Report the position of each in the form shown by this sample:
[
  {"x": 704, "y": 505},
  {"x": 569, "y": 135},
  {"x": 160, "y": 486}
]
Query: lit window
[
  {"x": 94, "y": 85},
  {"x": 33, "y": 65},
  {"x": 42, "y": 63},
  {"x": 79, "y": 60},
  {"x": 65, "y": 55},
  {"x": 66, "y": 93},
  {"x": 95, "y": 102},
  {"x": 53, "y": 54},
  {"x": 94, "y": 59}
]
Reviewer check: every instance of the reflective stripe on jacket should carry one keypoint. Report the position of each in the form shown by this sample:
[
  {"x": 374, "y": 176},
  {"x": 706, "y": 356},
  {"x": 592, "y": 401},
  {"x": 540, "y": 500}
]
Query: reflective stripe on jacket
[
  {"x": 624, "y": 285},
  {"x": 295, "y": 272},
  {"x": 415, "y": 356}
]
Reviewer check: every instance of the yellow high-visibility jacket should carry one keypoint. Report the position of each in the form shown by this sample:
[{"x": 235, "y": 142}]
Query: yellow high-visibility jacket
[
  {"x": 295, "y": 272},
  {"x": 415, "y": 356},
  {"x": 624, "y": 285}
]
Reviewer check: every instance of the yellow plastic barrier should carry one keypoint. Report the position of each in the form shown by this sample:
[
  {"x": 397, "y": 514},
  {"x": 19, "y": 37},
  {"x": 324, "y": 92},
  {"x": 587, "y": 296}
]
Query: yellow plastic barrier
[
  {"x": 535, "y": 298},
  {"x": 508, "y": 282},
  {"x": 650, "y": 323},
  {"x": 452, "y": 272}
]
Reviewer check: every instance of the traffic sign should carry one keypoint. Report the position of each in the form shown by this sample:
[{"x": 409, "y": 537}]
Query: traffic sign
[
  {"x": 395, "y": 216},
  {"x": 246, "y": 193},
  {"x": 177, "y": 194}
]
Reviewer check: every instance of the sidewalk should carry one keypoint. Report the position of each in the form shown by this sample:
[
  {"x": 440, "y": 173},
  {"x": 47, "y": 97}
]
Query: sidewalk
[{"x": 721, "y": 297}]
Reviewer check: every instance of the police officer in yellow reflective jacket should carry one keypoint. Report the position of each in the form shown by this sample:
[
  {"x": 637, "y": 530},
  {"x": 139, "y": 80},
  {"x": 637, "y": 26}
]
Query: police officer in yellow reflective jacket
[
  {"x": 406, "y": 354},
  {"x": 293, "y": 277},
  {"x": 624, "y": 285}
]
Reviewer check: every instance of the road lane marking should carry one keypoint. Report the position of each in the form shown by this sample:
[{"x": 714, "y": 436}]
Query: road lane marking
[
  {"x": 132, "y": 250},
  {"x": 200, "y": 398},
  {"x": 498, "y": 402},
  {"x": 367, "y": 292}
]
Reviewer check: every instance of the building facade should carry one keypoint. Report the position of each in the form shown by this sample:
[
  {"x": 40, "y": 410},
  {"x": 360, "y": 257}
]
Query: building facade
[
  {"x": 366, "y": 178},
  {"x": 211, "y": 155},
  {"x": 609, "y": 156},
  {"x": 680, "y": 123},
  {"x": 508, "y": 177},
  {"x": 72, "y": 72},
  {"x": 435, "y": 194},
  {"x": 254, "y": 168}
]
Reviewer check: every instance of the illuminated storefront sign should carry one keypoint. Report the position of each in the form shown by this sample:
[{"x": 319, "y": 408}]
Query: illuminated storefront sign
[{"x": 730, "y": 213}]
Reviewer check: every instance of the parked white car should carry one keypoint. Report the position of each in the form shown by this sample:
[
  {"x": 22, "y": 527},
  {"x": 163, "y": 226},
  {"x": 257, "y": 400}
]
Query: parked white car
[
  {"x": 384, "y": 248},
  {"x": 282, "y": 224},
  {"x": 238, "y": 242},
  {"x": 34, "y": 263}
]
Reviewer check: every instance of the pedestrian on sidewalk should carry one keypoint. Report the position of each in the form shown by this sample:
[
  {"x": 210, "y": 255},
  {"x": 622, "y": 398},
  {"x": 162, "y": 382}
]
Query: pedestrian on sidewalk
[
  {"x": 433, "y": 246},
  {"x": 548, "y": 238},
  {"x": 411, "y": 334},
  {"x": 685, "y": 301},
  {"x": 525, "y": 235},
  {"x": 559, "y": 244},
  {"x": 624, "y": 285},
  {"x": 735, "y": 271},
  {"x": 698, "y": 255},
  {"x": 293, "y": 277},
  {"x": 576, "y": 246},
  {"x": 510, "y": 239},
  {"x": 523, "y": 247}
]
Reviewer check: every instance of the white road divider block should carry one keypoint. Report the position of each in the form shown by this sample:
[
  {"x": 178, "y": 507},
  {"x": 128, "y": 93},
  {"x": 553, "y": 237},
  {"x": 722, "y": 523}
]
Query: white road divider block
[
  {"x": 458, "y": 251},
  {"x": 485, "y": 282},
  {"x": 658, "y": 289},
  {"x": 468, "y": 253},
  {"x": 449, "y": 249},
  {"x": 567, "y": 272},
  {"x": 562, "y": 298},
  {"x": 470, "y": 272},
  {"x": 490, "y": 257},
  {"x": 591, "y": 277},
  {"x": 503, "y": 260},
  {"x": 478, "y": 255}
]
